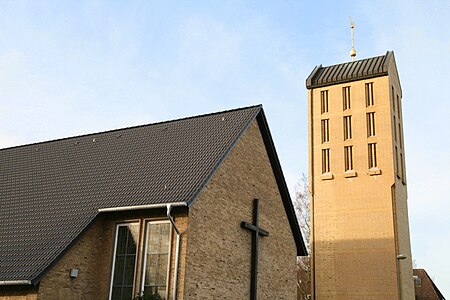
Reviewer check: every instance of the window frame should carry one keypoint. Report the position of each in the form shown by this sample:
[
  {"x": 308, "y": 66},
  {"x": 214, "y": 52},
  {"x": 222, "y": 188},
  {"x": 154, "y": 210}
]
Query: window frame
[
  {"x": 141, "y": 251},
  {"x": 370, "y": 118},
  {"x": 347, "y": 127},
  {"x": 326, "y": 161},
  {"x": 372, "y": 155},
  {"x": 144, "y": 254},
  {"x": 324, "y": 101},
  {"x": 325, "y": 130},
  {"x": 346, "y": 100},
  {"x": 393, "y": 98},
  {"x": 370, "y": 101},
  {"x": 116, "y": 235},
  {"x": 348, "y": 158}
]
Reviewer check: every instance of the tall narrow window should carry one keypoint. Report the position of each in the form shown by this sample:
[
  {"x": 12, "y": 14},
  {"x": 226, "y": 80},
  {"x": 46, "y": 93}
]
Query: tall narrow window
[
  {"x": 397, "y": 167},
  {"x": 369, "y": 94},
  {"x": 325, "y": 161},
  {"x": 402, "y": 164},
  {"x": 324, "y": 101},
  {"x": 400, "y": 139},
  {"x": 127, "y": 236},
  {"x": 156, "y": 259},
  {"x": 372, "y": 152},
  {"x": 370, "y": 124},
  {"x": 348, "y": 158},
  {"x": 325, "y": 130},
  {"x": 393, "y": 98},
  {"x": 346, "y": 97},
  {"x": 395, "y": 129},
  {"x": 347, "y": 127},
  {"x": 399, "y": 108}
]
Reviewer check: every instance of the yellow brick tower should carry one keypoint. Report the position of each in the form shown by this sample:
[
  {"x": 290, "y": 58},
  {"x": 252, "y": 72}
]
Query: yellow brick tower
[{"x": 360, "y": 243}]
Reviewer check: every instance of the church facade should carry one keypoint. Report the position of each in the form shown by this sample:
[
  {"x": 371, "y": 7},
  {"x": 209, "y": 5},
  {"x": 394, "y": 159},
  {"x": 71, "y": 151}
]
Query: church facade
[
  {"x": 360, "y": 244},
  {"x": 167, "y": 209}
]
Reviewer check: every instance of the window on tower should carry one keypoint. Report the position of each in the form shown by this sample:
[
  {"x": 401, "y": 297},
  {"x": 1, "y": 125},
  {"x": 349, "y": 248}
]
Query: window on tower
[
  {"x": 348, "y": 158},
  {"x": 325, "y": 161},
  {"x": 370, "y": 124},
  {"x": 346, "y": 97},
  {"x": 347, "y": 127},
  {"x": 393, "y": 98},
  {"x": 395, "y": 129},
  {"x": 369, "y": 94},
  {"x": 402, "y": 163},
  {"x": 325, "y": 128},
  {"x": 372, "y": 153},
  {"x": 396, "y": 162},
  {"x": 324, "y": 101}
]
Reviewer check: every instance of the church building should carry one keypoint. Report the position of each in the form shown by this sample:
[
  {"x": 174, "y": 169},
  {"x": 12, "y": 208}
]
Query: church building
[
  {"x": 195, "y": 208},
  {"x": 360, "y": 244}
]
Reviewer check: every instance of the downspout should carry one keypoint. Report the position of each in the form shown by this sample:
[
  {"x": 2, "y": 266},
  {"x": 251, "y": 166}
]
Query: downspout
[{"x": 177, "y": 251}]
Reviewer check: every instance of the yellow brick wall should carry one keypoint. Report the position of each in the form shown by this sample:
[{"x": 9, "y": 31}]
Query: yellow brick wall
[
  {"x": 219, "y": 250},
  {"x": 354, "y": 240}
]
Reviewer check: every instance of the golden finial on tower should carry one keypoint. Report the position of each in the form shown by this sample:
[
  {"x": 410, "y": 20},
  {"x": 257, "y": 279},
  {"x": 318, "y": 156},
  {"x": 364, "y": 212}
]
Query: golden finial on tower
[{"x": 352, "y": 28}]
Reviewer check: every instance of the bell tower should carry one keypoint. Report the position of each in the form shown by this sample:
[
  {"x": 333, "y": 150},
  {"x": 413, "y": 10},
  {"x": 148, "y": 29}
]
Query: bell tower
[{"x": 360, "y": 244}]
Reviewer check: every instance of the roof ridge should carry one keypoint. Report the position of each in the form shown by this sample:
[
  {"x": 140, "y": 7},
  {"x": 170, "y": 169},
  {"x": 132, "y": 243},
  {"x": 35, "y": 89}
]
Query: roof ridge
[{"x": 131, "y": 127}]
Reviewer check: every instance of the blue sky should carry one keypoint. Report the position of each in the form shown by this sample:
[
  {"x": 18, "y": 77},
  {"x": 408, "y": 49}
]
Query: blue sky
[{"x": 70, "y": 68}]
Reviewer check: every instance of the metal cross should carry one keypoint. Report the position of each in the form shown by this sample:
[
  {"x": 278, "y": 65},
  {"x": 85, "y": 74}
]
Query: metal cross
[{"x": 256, "y": 232}]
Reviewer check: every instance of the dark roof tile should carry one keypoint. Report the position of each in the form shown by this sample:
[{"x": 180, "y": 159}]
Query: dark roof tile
[{"x": 349, "y": 71}]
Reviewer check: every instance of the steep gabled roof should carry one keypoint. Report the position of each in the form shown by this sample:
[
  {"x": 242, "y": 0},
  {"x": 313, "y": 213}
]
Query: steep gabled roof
[
  {"x": 51, "y": 191},
  {"x": 426, "y": 289},
  {"x": 350, "y": 71}
]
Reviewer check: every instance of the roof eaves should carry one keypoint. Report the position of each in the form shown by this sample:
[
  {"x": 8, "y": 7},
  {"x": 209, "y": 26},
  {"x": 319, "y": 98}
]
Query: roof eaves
[
  {"x": 349, "y": 71},
  {"x": 348, "y": 80},
  {"x": 141, "y": 207},
  {"x": 15, "y": 282}
]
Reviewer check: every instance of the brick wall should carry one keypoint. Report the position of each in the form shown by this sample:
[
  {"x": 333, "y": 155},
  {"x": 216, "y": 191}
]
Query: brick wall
[
  {"x": 219, "y": 250},
  {"x": 18, "y": 292},
  {"x": 92, "y": 255}
]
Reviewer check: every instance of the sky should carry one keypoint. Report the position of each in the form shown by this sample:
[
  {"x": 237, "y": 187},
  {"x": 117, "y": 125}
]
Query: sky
[{"x": 74, "y": 67}]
